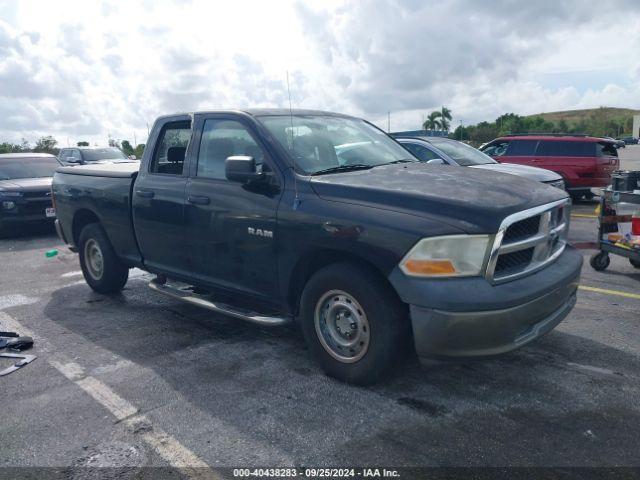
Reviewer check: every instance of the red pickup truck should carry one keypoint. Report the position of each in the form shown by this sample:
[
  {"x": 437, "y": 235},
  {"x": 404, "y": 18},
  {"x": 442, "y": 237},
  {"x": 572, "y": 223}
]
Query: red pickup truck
[{"x": 584, "y": 162}]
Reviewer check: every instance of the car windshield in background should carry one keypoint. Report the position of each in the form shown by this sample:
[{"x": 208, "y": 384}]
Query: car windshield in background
[
  {"x": 462, "y": 153},
  {"x": 325, "y": 144},
  {"x": 27, "y": 168},
  {"x": 96, "y": 154}
]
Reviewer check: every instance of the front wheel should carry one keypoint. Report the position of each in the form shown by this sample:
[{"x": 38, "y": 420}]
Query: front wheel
[
  {"x": 600, "y": 261},
  {"x": 355, "y": 326},
  {"x": 101, "y": 268}
]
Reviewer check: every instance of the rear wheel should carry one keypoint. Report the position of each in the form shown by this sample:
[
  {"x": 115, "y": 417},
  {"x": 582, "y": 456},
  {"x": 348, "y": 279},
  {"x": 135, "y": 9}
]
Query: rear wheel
[
  {"x": 600, "y": 261},
  {"x": 354, "y": 325},
  {"x": 101, "y": 268},
  {"x": 634, "y": 262}
]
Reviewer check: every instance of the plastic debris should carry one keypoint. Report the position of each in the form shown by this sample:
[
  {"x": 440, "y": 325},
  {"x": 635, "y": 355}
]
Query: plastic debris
[{"x": 51, "y": 253}]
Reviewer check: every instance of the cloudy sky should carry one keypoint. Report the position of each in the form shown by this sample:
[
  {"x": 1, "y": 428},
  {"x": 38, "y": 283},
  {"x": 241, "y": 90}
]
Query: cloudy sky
[{"x": 86, "y": 70}]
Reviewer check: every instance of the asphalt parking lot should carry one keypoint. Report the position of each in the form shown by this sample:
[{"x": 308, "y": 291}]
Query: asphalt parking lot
[{"x": 138, "y": 379}]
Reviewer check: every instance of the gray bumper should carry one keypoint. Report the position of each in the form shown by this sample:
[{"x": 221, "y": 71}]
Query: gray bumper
[{"x": 519, "y": 311}]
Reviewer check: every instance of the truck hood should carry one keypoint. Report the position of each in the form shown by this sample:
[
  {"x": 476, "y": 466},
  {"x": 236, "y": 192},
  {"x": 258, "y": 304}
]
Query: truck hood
[
  {"x": 532, "y": 173},
  {"x": 473, "y": 200},
  {"x": 26, "y": 184}
]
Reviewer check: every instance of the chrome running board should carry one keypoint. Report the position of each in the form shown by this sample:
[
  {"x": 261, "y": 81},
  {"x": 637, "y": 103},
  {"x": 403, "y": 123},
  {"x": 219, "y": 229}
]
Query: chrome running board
[{"x": 186, "y": 295}]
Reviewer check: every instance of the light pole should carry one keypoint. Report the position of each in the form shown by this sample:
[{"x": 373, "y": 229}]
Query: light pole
[{"x": 460, "y": 130}]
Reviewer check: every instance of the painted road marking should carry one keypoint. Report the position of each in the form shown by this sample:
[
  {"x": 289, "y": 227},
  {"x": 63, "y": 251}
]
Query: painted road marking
[
  {"x": 610, "y": 292},
  {"x": 591, "y": 368},
  {"x": 71, "y": 274},
  {"x": 176, "y": 454},
  {"x": 15, "y": 300},
  {"x": 583, "y": 215}
]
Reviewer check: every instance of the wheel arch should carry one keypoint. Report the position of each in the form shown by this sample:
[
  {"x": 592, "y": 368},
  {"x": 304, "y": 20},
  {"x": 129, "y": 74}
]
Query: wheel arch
[
  {"x": 314, "y": 260},
  {"x": 81, "y": 219}
]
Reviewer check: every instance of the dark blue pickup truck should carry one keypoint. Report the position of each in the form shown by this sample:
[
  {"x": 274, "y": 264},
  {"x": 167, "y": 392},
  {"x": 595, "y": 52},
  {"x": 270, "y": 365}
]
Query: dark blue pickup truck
[{"x": 272, "y": 216}]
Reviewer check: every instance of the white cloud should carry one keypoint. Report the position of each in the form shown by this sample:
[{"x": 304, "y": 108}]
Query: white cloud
[{"x": 84, "y": 70}]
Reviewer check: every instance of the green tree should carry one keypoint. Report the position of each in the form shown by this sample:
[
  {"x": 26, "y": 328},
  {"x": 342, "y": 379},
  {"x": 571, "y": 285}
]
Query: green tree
[
  {"x": 127, "y": 148},
  {"x": 432, "y": 122},
  {"x": 139, "y": 150},
  {"x": 445, "y": 118},
  {"x": 83, "y": 144},
  {"x": 46, "y": 145}
]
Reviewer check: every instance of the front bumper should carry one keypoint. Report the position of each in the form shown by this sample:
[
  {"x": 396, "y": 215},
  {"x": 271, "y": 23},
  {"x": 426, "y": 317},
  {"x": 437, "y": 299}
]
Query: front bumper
[{"x": 469, "y": 317}]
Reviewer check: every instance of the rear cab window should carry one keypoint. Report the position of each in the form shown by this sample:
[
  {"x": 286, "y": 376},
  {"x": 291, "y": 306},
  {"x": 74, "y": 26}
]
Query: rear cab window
[{"x": 171, "y": 148}]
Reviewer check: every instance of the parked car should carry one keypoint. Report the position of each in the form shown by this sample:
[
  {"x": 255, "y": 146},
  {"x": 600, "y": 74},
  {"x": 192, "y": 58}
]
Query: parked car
[
  {"x": 617, "y": 143},
  {"x": 629, "y": 140},
  {"x": 583, "y": 162},
  {"x": 25, "y": 190},
  {"x": 452, "y": 152},
  {"x": 272, "y": 216},
  {"x": 82, "y": 155}
]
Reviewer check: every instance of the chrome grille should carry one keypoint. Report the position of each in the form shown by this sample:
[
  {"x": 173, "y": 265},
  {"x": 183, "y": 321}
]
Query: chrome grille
[{"x": 529, "y": 240}]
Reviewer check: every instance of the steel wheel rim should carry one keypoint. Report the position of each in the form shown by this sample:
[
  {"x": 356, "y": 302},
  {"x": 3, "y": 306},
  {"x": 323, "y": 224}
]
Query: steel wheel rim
[
  {"x": 342, "y": 326},
  {"x": 93, "y": 259}
]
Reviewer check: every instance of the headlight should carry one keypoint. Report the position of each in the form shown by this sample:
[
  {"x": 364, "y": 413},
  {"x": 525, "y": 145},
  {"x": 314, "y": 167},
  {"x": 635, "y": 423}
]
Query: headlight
[
  {"x": 449, "y": 256},
  {"x": 10, "y": 194}
]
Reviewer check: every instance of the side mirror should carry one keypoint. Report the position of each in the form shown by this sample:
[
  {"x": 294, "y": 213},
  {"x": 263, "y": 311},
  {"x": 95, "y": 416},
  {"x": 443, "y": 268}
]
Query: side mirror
[
  {"x": 437, "y": 161},
  {"x": 132, "y": 157},
  {"x": 241, "y": 168}
]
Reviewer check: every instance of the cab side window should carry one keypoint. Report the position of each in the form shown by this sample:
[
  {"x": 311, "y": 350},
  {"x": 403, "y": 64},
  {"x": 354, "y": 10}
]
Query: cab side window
[
  {"x": 168, "y": 157},
  {"x": 222, "y": 139}
]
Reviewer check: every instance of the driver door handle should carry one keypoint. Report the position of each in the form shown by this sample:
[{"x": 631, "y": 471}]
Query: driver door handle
[
  {"x": 198, "y": 199},
  {"x": 145, "y": 193}
]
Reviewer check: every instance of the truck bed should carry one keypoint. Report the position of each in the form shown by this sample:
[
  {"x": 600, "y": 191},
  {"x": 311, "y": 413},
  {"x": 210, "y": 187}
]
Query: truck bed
[{"x": 104, "y": 191}]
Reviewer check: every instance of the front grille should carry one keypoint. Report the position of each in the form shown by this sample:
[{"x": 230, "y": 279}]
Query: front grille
[
  {"x": 528, "y": 240},
  {"x": 522, "y": 229},
  {"x": 513, "y": 261}
]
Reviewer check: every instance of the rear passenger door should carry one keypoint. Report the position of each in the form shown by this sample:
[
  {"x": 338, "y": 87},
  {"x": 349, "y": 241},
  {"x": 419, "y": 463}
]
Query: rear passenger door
[
  {"x": 159, "y": 198},
  {"x": 231, "y": 227}
]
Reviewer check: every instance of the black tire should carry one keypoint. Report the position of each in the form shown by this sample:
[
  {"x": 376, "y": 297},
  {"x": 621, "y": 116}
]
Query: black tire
[
  {"x": 374, "y": 303},
  {"x": 576, "y": 196},
  {"x": 600, "y": 261},
  {"x": 634, "y": 262},
  {"x": 113, "y": 275}
]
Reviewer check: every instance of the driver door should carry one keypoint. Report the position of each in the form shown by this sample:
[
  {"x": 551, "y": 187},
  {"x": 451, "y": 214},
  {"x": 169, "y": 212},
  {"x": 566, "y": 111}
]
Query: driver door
[{"x": 231, "y": 227}]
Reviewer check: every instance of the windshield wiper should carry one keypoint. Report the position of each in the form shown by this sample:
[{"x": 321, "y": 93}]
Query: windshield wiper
[
  {"x": 344, "y": 168},
  {"x": 402, "y": 160}
]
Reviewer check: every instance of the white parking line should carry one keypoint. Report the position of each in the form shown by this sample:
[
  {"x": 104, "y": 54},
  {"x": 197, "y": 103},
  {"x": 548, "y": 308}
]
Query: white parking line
[
  {"x": 72, "y": 274},
  {"x": 15, "y": 300},
  {"x": 176, "y": 454}
]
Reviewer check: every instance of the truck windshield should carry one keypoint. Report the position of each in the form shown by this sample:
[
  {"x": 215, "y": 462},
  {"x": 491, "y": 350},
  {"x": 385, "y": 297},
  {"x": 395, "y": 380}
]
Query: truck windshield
[
  {"x": 462, "y": 153},
  {"x": 326, "y": 144},
  {"x": 27, "y": 168},
  {"x": 97, "y": 154}
]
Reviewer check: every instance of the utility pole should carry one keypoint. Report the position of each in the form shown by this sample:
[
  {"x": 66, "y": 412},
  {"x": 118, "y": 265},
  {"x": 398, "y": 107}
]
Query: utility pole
[
  {"x": 135, "y": 142},
  {"x": 389, "y": 121},
  {"x": 460, "y": 130},
  {"x": 148, "y": 133}
]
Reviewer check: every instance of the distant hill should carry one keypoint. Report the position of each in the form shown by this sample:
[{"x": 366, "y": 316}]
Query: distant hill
[{"x": 621, "y": 116}]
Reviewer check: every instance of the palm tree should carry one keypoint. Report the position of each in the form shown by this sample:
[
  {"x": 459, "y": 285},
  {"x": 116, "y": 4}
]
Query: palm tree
[
  {"x": 445, "y": 115},
  {"x": 432, "y": 122}
]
